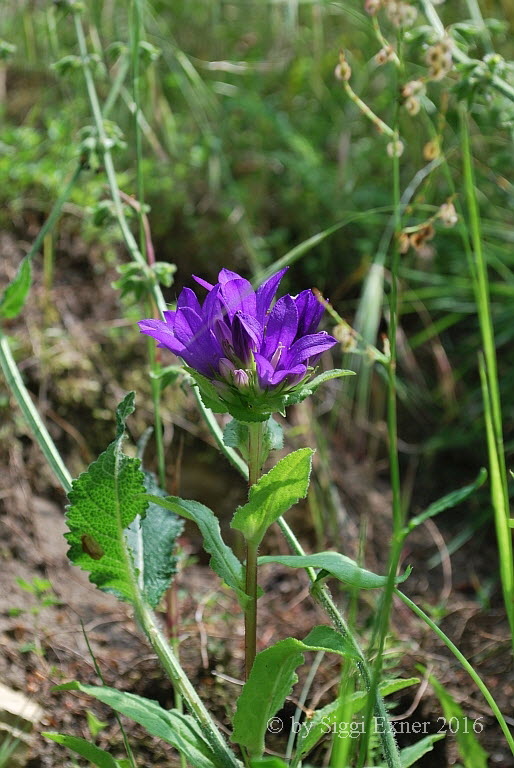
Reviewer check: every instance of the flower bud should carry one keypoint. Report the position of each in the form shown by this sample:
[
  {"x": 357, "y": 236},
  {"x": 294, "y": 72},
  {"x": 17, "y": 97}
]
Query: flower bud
[
  {"x": 226, "y": 368},
  {"x": 241, "y": 379}
]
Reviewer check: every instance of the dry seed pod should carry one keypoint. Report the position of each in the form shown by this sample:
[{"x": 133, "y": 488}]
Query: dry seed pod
[
  {"x": 395, "y": 148},
  {"x": 403, "y": 242},
  {"x": 431, "y": 150},
  {"x": 448, "y": 214},
  {"x": 372, "y": 6},
  {"x": 412, "y": 105}
]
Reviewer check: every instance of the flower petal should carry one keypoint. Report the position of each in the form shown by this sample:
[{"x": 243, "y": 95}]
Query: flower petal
[
  {"x": 203, "y": 283},
  {"x": 281, "y": 328},
  {"x": 310, "y": 311},
  {"x": 188, "y": 298},
  {"x": 238, "y": 295},
  {"x": 308, "y": 346},
  {"x": 266, "y": 292},
  {"x": 246, "y": 336},
  {"x": 163, "y": 333}
]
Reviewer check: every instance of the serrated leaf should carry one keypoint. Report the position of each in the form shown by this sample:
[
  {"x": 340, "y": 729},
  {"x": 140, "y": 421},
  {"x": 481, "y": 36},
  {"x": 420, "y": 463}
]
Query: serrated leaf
[
  {"x": 104, "y": 500},
  {"x": 470, "y": 750},
  {"x": 335, "y": 564},
  {"x": 152, "y": 541},
  {"x": 323, "y": 720},
  {"x": 223, "y": 561},
  {"x": 84, "y": 748},
  {"x": 271, "y": 680},
  {"x": 448, "y": 501},
  {"x": 173, "y": 727},
  {"x": 15, "y": 295},
  {"x": 273, "y": 494}
]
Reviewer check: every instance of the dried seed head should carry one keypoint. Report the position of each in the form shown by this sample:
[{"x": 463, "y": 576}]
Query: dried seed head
[
  {"x": 419, "y": 239},
  {"x": 372, "y": 6},
  {"x": 346, "y": 336},
  {"x": 343, "y": 71},
  {"x": 412, "y": 88},
  {"x": 385, "y": 54},
  {"x": 403, "y": 242},
  {"x": 431, "y": 150},
  {"x": 439, "y": 59},
  {"x": 412, "y": 105},
  {"x": 401, "y": 14},
  {"x": 395, "y": 148},
  {"x": 448, "y": 214}
]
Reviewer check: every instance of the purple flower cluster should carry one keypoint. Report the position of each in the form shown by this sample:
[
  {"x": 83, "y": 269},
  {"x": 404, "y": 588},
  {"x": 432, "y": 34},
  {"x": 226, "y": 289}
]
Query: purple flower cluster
[{"x": 238, "y": 340}]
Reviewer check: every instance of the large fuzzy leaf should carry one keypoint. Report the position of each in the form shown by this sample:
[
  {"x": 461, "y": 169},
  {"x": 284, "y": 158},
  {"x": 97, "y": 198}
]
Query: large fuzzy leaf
[
  {"x": 104, "y": 500},
  {"x": 152, "y": 540}
]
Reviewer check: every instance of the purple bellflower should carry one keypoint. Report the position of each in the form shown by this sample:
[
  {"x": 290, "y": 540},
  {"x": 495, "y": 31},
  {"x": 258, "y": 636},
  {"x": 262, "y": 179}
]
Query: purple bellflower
[{"x": 247, "y": 357}]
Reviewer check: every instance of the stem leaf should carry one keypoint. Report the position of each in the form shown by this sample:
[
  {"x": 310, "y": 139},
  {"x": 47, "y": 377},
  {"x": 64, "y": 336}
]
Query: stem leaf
[
  {"x": 335, "y": 564},
  {"x": 271, "y": 680},
  {"x": 273, "y": 494},
  {"x": 317, "y": 726},
  {"x": 85, "y": 749},
  {"x": 223, "y": 560},
  {"x": 173, "y": 727}
]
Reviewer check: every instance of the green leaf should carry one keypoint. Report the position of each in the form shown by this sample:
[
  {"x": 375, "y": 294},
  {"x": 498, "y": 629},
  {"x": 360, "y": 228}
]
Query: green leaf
[
  {"x": 173, "y": 727},
  {"x": 273, "y": 494},
  {"x": 323, "y": 719},
  {"x": 152, "y": 541},
  {"x": 268, "y": 762},
  {"x": 84, "y": 748},
  {"x": 15, "y": 295},
  {"x": 271, "y": 680},
  {"x": 223, "y": 561},
  {"x": 95, "y": 725},
  {"x": 410, "y": 755},
  {"x": 335, "y": 564},
  {"x": 448, "y": 501},
  {"x": 104, "y": 500},
  {"x": 470, "y": 750}
]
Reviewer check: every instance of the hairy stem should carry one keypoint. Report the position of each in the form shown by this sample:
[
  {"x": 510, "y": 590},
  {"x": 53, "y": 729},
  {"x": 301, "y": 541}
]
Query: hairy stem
[{"x": 255, "y": 435}]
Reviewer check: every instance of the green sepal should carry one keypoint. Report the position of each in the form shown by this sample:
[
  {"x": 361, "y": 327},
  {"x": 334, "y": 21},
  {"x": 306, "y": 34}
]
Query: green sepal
[{"x": 256, "y": 406}]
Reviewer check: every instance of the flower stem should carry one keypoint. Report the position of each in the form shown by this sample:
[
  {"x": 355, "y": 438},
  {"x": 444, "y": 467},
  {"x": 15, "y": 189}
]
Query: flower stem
[{"x": 255, "y": 434}]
